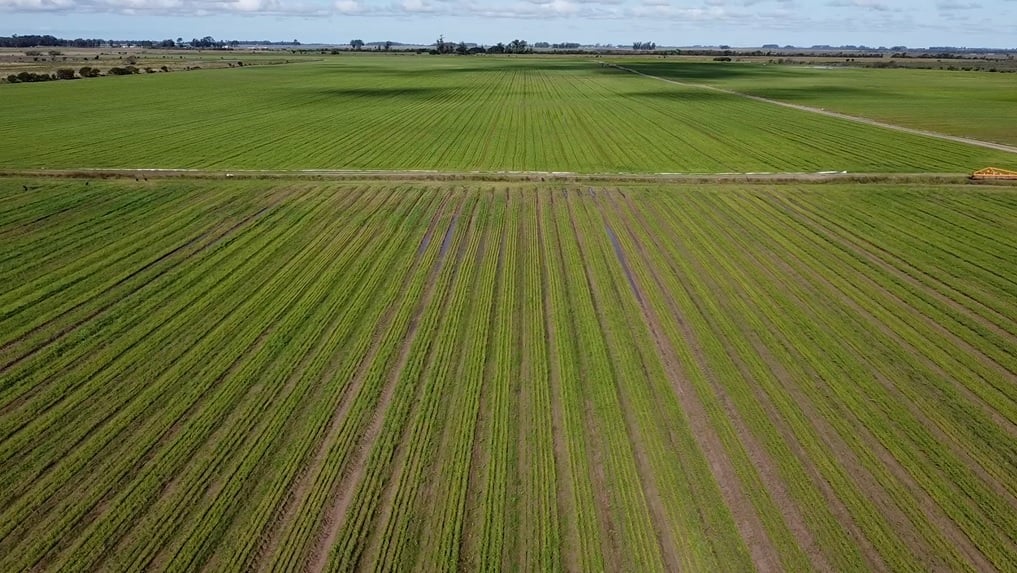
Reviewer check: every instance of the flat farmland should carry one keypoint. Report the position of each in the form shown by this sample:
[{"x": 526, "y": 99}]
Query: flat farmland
[
  {"x": 419, "y": 112},
  {"x": 224, "y": 376},
  {"x": 967, "y": 104}
]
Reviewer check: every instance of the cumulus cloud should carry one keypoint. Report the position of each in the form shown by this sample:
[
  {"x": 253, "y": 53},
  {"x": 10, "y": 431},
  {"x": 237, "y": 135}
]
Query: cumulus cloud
[
  {"x": 875, "y": 5},
  {"x": 950, "y": 5},
  {"x": 166, "y": 7},
  {"x": 840, "y": 15}
]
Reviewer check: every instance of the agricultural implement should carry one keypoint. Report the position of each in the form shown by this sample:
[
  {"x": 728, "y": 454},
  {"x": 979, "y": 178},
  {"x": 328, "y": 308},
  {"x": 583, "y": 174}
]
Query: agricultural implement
[{"x": 994, "y": 173}]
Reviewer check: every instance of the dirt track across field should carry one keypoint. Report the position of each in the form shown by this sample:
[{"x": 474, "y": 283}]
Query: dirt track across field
[
  {"x": 145, "y": 175},
  {"x": 820, "y": 111}
]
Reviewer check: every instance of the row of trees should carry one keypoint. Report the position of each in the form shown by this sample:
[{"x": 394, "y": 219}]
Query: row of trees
[
  {"x": 32, "y": 41},
  {"x": 442, "y": 46},
  {"x": 462, "y": 48}
]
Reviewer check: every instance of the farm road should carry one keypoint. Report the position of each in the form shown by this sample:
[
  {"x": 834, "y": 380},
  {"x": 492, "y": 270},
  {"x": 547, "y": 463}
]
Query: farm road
[
  {"x": 144, "y": 174},
  {"x": 820, "y": 111}
]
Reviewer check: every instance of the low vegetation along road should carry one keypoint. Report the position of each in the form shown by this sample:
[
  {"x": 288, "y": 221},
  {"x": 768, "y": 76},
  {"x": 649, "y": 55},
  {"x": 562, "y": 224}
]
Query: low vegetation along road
[{"x": 302, "y": 375}]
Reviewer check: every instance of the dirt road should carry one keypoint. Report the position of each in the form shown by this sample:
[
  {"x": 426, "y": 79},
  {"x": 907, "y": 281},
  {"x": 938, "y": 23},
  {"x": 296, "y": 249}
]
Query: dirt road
[{"x": 144, "y": 175}]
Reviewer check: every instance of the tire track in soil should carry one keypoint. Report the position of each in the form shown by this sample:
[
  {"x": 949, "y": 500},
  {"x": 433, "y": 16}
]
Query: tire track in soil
[
  {"x": 483, "y": 251},
  {"x": 747, "y": 520},
  {"x": 350, "y": 394},
  {"x": 383, "y": 515},
  {"x": 83, "y": 358},
  {"x": 611, "y": 550},
  {"x": 20, "y": 400},
  {"x": 294, "y": 378},
  {"x": 563, "y": 468},
  {"x": 346, "y": 487},
  {"x": 884, "y": 259},
  {"x": 310, "y": 468},
  {"x": 520, "y": 406},
  {"x": 327, "y": 331},
  {"x": 479, "y": 458},
  {"x": 164, "y": 438},
  {"x": 933, "y": 513},
  {"x": 20, "y": 228},
  {"x": 796, "y": 521},
  {"x": 169, "y": 211},
  {"x": 159, "y": 560},
  {"x": 931, "y": 510},
  {"x": 647, "y": 478},
  {"x": 27, "y": 396},
  {"x": 769, "y": 473},
  {"x": 869, "y": 251}
]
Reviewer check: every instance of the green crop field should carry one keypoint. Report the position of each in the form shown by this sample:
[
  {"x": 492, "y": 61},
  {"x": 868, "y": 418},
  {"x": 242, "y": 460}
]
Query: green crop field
[
  {"x": 414, "y": 313},
  {"x": 252, "y": 375},
  {"x": 418, "y": 112},
  {"x": 968, "y": 104}
]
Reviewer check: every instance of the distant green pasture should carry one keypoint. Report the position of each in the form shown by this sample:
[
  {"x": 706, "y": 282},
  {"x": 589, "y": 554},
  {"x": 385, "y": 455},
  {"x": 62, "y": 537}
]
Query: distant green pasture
[
  {"x": 981, "y": 105},
  {"x": 451, "y": 113}
]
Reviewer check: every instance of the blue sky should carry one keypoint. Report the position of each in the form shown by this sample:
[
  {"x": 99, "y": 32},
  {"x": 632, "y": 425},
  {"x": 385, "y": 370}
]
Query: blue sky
[{"x": 982, "y": 23}]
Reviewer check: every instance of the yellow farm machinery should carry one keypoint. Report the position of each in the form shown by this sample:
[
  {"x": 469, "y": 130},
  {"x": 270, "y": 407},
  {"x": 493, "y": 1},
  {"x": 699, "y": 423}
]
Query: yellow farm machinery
[{"x": 994, "y": 174}]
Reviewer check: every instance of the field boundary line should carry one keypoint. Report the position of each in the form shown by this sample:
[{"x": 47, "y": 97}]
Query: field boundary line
[
  {"x": 834, "y": 114},
  {"x": 148, "y": 175}
]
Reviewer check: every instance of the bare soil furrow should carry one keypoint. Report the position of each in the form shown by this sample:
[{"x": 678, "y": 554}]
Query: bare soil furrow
[
  {"x": 356, "y": 468},
  {"x": 764, "y": 554}
]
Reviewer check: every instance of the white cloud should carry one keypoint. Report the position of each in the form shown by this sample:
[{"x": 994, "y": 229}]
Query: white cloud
[{"x": 166, "y": 7}]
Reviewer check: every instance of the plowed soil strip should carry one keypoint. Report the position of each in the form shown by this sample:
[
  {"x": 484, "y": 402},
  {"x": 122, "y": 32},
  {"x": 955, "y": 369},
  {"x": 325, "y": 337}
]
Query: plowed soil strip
[
  {"x": 351, "y": 394},
  {"x": 753, "y": 532},
  {"x": 480, "y": 455},
  {"x": 654, "y": 499},
  {"x": 563, "y": 469},
  {"x": 303, "y": 477},
  {"x": 933, "y": 512},
  {"x": 612, "y": 551},
  {"x": 407, "y": 446}
]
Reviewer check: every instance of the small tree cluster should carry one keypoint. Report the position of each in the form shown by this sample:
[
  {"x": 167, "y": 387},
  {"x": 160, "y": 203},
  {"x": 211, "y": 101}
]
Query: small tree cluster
[
  {"x": 88, "y": 72},
  {"x": 443, "y": 47},
  {"x": 29, "y": 77},
  {"x": 644, "y": 46},
  {"x": 124, "y": 71},
  {"x": 518, "y": 47}
]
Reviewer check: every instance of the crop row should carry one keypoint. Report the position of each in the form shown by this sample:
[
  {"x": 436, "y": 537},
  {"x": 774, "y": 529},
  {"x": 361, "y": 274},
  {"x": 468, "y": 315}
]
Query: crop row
[{"x": 241, "y": 376}]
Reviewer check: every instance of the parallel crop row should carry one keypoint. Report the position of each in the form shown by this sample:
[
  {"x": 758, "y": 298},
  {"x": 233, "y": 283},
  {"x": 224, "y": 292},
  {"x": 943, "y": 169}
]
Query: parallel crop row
[
  {"x": 396, "y": 113},
  {"x": 248, "y": 376}
]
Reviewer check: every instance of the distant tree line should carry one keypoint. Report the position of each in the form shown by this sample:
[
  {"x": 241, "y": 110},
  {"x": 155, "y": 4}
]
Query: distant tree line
[
  {"x": 516, "y": 46},
  {"x": 70, "y": 74},
  {"x": 32, "y": 41},
  {"x": 207, "y": 42}
]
